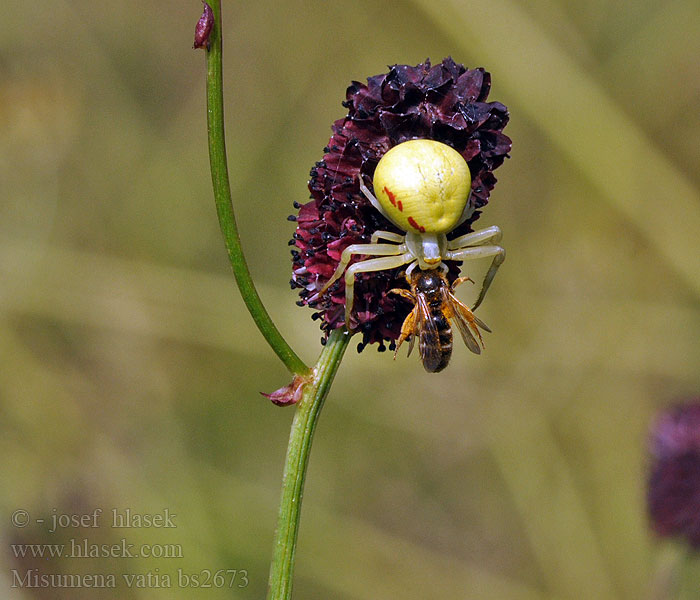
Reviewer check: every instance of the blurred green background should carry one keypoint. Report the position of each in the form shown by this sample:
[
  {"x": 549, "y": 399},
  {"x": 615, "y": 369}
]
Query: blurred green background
[{"x": 130, "y": 371}]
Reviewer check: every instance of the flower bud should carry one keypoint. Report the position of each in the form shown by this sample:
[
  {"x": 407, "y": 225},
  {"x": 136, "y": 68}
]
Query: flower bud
[
  {"x": 289, "y": 394},
  {"x": 202, "y": 30}
]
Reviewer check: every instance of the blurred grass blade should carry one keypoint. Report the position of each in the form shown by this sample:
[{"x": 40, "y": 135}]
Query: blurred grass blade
[
  {"x": 587, "y": 126},
  {"x": 551, "y": 508},
  {"x": 353, "y": 558}
]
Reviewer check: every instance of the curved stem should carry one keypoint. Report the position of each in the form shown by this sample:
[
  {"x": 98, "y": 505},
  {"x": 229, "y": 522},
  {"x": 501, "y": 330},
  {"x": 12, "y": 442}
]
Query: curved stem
[
  {"x": 224, "y": 204},
  {"x": 305, "y": 419}
]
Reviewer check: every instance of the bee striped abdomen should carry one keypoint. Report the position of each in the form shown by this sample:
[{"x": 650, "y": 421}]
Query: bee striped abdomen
[{"x": 440, "y": 340}]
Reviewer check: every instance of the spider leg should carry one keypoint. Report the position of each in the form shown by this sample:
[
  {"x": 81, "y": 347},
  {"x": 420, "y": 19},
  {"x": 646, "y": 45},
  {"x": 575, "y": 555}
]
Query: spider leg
[
  {"x": 372, "y": 198},
  {"x": 499, "y": 255},
  {"x": 346, "y": 257},
  {"x": 475, "y": 238},
  {"x": 410, "y": 270},
  {"x": 389, "y": 236},
  {"x": 365, "y": 266}
]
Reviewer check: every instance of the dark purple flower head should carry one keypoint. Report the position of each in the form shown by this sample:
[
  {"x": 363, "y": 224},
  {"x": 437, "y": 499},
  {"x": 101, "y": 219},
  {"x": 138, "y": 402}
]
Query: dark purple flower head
[
  {"x": 446, "y": 103},
  {"x": 674, "y": 484}
]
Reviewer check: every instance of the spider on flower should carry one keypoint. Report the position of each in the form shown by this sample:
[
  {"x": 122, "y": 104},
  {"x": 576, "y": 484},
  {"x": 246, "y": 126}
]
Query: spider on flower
[{"x": 422, "y": 186}]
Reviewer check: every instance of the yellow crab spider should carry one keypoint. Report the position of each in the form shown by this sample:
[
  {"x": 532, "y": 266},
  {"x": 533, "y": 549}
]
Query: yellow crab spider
[{"x": 422, "y": 187}]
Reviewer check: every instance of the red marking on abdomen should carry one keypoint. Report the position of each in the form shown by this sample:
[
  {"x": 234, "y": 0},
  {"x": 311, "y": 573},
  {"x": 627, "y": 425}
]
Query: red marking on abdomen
[
  {"x": 400, "y": 205},
  {"x": 412, "y": 223},
  {"x": 392, "y": 198}
]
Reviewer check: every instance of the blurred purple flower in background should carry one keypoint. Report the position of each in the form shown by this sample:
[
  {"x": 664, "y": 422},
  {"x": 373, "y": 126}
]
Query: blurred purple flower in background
[{"x": 674, "y": 483}]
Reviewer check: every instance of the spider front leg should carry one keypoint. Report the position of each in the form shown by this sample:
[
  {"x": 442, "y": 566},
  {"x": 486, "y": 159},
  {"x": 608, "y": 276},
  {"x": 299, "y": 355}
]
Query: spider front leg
[
  {"x": 498, "y": 253},
  {"x": 373, "y": 264},
  {"x": 389, "y": 236},
  {"x": 372, "y": 249},
  {"x": 476, "y": 238},
  {"x": 371, "y": 197}
]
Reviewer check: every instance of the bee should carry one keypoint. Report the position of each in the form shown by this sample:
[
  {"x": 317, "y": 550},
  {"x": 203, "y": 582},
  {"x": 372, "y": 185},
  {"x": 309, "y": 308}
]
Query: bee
[{"x": 434, "y": 307}]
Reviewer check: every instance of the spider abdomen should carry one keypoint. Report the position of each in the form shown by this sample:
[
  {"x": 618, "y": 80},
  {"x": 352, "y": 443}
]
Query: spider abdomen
[{"x": 423, "y": 186}]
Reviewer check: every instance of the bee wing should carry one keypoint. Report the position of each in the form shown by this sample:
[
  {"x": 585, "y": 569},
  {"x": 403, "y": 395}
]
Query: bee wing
[
  {"x": 427, "y": 332},
  {"x": 464, "y": 319},
  {"x": 481, "y": 324}
]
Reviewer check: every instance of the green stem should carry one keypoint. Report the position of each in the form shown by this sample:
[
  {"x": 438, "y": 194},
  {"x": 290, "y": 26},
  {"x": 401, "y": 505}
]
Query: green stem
[
  {"x": 224, "y": 204},
  {"x": 305, "y": 419}
]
